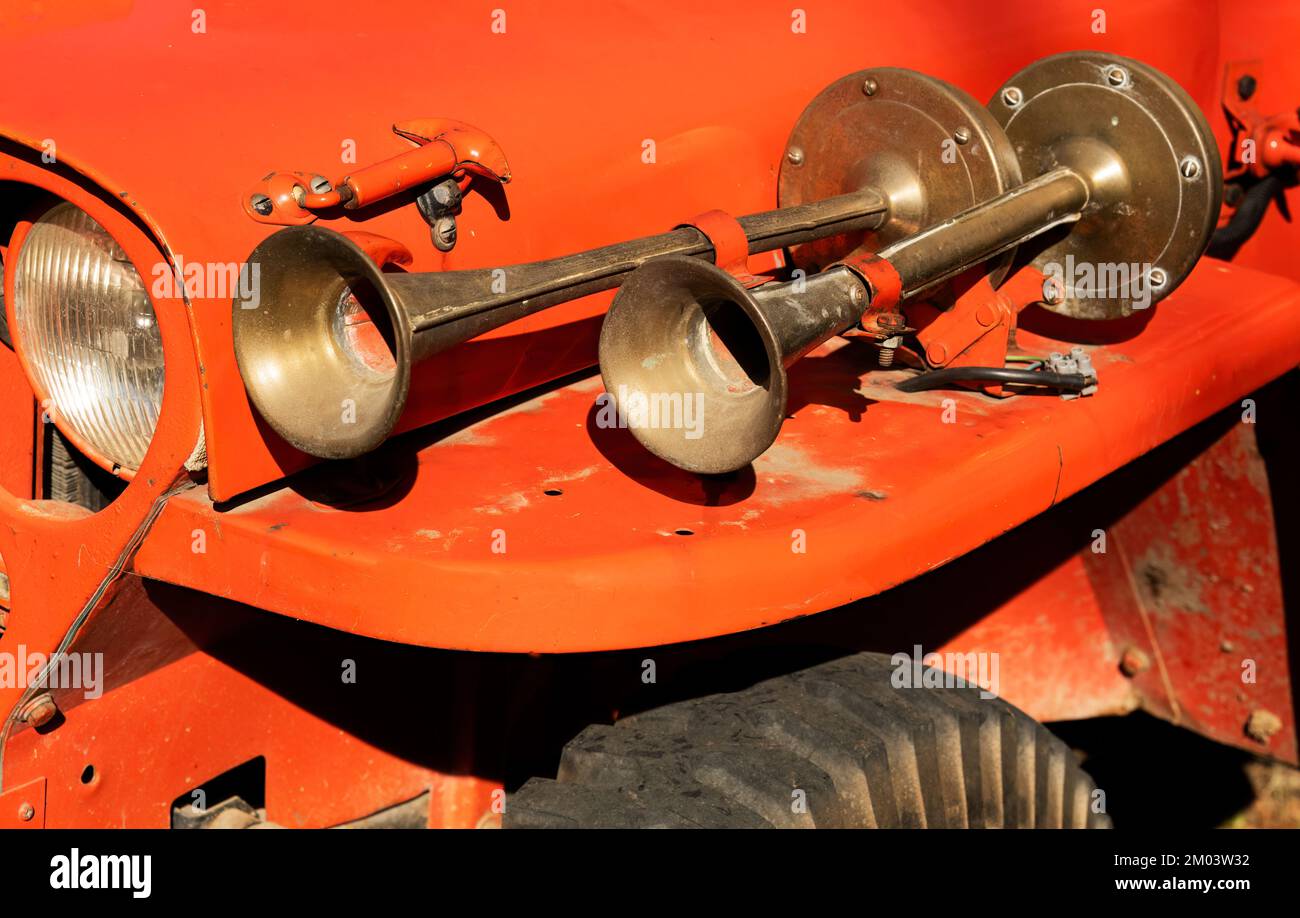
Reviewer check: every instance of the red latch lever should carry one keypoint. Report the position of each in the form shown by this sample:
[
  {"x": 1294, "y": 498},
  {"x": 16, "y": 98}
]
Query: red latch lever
[{"x": 444, "y": 147}]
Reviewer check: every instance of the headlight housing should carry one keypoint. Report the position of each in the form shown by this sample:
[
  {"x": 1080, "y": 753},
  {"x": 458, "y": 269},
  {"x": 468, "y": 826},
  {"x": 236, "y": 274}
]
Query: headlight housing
[{"x": 85, "y": 329}]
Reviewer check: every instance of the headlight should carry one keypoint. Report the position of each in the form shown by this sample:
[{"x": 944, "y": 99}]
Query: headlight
[{"x": 86, "y": 330}]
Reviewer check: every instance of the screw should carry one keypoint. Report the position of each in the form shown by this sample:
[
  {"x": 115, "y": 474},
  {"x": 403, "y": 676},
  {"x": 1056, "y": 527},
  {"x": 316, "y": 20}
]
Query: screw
[
  {"x": 39, "y": 711},
  {"x": 795, "y": 155},
  {"x": 1052, "y": 293},
  {"x": 961, "y": 135},
  {"x": 1011, "y": 97},
  {"x": 1246, "y": 87},
  {"x": 26, "y": 812},
  {"x": 320, "y": 184},
  {"x": 1156, "y": 277},
  {"x": 857, "y": 295},
  {"x": 1117, "y": 76},
  {"x": 261, "y": 204},
  {"x": 891, "y": 320},
  {"x": 870, "y": 86},
  {"x": 1134, "y": 661},
  {"x": 443, "y": 233},
  {"x": 1190, "y": 167}
]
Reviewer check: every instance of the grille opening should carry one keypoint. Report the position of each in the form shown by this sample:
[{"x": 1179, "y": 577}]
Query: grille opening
[{"x": 68, "y": 476}]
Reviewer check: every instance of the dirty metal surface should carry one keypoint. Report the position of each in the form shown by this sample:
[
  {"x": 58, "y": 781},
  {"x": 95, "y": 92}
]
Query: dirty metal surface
[
  {"x": 535, "y": 529},
  {"x": 1192, "y": 591}
]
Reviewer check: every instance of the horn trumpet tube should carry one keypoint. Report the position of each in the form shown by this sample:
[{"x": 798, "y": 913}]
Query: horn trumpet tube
[{"x": 327, "y": 347}]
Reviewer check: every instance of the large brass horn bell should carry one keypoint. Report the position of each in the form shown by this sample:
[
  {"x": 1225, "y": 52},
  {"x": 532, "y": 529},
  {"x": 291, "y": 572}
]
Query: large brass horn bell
[
  {"x": 325, "y": 349},
  {"x": 697, "y": 363}
]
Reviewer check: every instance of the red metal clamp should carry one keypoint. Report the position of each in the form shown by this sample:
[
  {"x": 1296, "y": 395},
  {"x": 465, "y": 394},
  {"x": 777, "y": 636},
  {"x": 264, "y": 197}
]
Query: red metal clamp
[
  {"x": 881, "y": 318},
  {"x": 730, "y": 244}
]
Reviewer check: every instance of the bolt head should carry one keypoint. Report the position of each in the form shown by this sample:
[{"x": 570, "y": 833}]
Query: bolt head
[
  {"x": 1134, "y": 661},
  {"x": 1190, "y": 167},
  {"x": 39, "y": 711},
  {"x": 1011, "y": 97},
  {"x": 1157, "y": 278},
  {"x": 961, "y": 135},
  {"x": 870, "y": 87},
  {"x": 261, "y": 204},
  {"x": 795, "y": 156},
  {"x": 26, "y": 812},
  {"x": 443, "y": 233},
  {"x": 1116, "y": 76}
]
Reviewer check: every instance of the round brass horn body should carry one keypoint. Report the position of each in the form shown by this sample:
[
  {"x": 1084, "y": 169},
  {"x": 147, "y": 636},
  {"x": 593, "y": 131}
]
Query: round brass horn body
[
  {"x": 928, "y": 147},
  {"x": 322, "y": 346},
  {"x": 1150, "y": 159}
]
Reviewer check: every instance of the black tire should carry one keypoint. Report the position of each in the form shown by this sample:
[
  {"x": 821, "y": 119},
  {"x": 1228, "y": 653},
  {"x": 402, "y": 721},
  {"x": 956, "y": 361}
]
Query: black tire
[{"x": 862, "y": 752}]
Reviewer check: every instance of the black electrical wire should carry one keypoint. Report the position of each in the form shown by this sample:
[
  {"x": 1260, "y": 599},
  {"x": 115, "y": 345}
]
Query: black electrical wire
[
  {"x": 1067, "y": 382},
  {"x": 1250, "y": 212}
]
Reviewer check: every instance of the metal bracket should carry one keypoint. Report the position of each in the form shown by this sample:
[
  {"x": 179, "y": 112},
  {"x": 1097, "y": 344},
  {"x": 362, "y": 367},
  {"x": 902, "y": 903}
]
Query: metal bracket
[
  {"x": 978, "y": 330},
  {"x": 1274, "y": 139},
  {"x": 440, "y": 205}
]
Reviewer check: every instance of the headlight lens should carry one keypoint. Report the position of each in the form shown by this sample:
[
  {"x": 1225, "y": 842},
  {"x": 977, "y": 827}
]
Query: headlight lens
[{"x": 88, "y": 334}]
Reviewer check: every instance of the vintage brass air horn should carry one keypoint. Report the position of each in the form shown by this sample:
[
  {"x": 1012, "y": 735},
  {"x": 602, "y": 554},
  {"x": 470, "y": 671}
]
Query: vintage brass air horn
[
  {"x": 1125, "y": 171},
  {"x": 301, "y": 358},
  {"x": 887, "y": 161}
]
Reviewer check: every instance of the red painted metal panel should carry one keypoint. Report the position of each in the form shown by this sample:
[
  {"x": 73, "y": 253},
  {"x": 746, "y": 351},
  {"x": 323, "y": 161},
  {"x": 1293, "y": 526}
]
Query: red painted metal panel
[
  {"x": 179, "y": 707},
  {"x": 457, "y": 544},
  {"x": 1191, "y": 580},
  {"x": 574, "y": 186},
  {"x": 1057, "y": 659}
]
